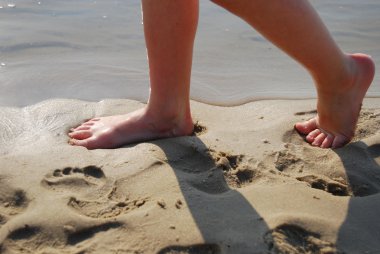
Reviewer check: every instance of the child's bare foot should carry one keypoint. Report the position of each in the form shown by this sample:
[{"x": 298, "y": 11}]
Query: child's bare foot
[
  {"x": 138, "y": 126},
  {"x": 338, "y": 110}
]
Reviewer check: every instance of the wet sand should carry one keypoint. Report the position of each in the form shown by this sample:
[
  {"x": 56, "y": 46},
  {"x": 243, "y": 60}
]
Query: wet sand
[{"x": 245, "y": 183}]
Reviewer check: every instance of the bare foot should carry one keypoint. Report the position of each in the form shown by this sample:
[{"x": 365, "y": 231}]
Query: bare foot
[
  {"x": 138, "y": 126},
  {"x": 338, "y": 111}
]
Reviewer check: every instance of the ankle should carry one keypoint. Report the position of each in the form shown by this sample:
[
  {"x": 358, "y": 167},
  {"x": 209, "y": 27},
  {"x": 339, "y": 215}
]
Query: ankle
[
  {"x": 338, "y": 81},
  {"x": 176, "y": 120}
]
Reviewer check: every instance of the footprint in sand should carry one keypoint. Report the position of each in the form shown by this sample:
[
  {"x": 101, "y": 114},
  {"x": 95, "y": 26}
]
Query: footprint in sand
[
  {"x": 75, "y": 180},
  {"x": 20, "y": 234},
  {"x": 12, "y": 201},
  {"x": 294, "y": 239},
  {"x": 208, "y": 170},
  {"x": 236, "y": 171},
  {"x": 305, "y": 163},
  {"x": 94, "y": 194},
  {"x": 105, "y": 208},
  {"x": 335, "y": 187}
]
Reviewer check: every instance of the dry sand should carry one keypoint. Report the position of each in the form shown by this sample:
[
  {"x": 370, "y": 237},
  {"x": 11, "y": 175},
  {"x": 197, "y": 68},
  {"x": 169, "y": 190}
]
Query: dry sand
[{"x": 246, "y": 183}]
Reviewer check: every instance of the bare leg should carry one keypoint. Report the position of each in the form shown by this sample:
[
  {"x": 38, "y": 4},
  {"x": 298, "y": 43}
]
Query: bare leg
[
  {"x": 170, "y": 27},
  {"x": 341, "y": 80}
]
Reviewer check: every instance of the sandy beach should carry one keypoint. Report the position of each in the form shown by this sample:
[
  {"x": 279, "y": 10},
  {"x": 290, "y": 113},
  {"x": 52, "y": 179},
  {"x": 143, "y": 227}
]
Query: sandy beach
[{"x": 246, "y": 182}]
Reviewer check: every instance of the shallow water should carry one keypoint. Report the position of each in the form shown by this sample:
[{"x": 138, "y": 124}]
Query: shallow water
[{"x": 93, "y": 50}]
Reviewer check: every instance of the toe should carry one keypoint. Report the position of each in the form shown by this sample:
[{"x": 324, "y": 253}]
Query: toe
[
  {"x": 307, "y": 126},
  {"x": 88, "y": 124},
  {"x": 89, "y": 143},
  {"x": 327, "y": 143},
  {"x": 312, "y": 135},
  {"x": 319, "y": 139},
  {"x": 81, "y": 134},
  {"x": 81, "y": 128},
  {"x": 339, "y": 141}
]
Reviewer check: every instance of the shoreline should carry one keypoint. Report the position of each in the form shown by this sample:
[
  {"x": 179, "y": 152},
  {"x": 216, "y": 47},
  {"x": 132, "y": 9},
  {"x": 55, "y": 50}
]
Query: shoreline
[{"x": 46, "y": 54}]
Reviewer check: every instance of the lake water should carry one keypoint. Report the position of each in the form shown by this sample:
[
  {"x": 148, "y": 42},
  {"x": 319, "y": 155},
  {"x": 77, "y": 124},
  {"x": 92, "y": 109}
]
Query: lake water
[{"x": 93, "y": 50}]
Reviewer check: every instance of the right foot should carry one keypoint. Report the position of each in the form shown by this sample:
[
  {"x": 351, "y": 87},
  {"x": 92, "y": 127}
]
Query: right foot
[
  {"x": 138, "y": 126},
  {"x": 338, "y": 111}
]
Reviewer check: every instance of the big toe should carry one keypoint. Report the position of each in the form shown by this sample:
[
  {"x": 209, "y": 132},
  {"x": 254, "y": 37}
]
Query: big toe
[{"x": 307, "y": 126}]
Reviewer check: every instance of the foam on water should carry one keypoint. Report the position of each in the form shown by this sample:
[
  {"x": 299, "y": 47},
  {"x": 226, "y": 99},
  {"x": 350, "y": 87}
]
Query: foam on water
[{"x": 92, "y": 50}]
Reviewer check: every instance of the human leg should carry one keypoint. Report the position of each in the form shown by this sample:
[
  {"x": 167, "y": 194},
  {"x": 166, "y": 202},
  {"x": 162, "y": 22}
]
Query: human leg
[
  {"x": 169, "y": 27},
  {"x": 341, "y": 80}
]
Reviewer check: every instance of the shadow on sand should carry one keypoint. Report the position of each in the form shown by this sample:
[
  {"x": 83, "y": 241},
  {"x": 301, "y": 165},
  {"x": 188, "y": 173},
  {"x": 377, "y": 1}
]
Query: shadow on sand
[
  {"x": 360, "y": 231},
  {"x": 227, "y": 221}
]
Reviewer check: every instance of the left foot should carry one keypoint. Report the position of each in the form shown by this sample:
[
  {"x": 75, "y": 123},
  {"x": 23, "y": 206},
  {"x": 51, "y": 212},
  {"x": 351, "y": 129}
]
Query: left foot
[
  {"x": 338, "y": 110},
  {"x": 138, "y": 126}
]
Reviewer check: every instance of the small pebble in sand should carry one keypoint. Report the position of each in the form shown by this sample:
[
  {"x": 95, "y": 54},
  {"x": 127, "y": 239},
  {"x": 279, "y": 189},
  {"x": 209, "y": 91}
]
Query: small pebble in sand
[
  {"x": 6, "y": 204},
  {"x": 172, "y": 227},
  {"x": 161, "y": 203},
  {"x": 261, "y": 117},
  {"x": 265, "y": 141},
  {"x": 315, "y": 197}
]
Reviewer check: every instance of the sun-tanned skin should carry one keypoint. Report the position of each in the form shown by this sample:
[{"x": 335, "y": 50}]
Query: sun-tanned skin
[{"x": 341, "y": 80}]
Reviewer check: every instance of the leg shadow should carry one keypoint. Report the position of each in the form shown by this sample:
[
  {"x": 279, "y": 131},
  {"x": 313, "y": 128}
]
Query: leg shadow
[
  {"x": 227, "y": 221},
  {"x": 360, "y": 232}
]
